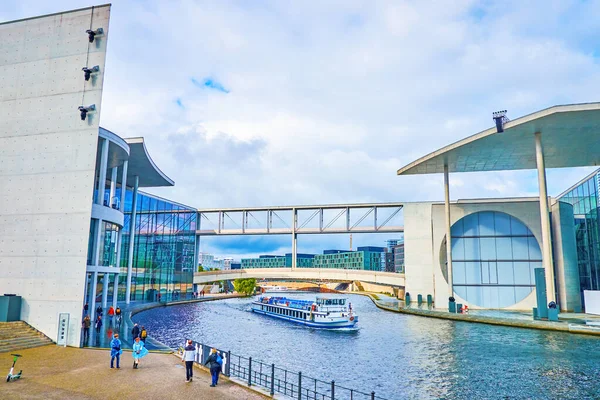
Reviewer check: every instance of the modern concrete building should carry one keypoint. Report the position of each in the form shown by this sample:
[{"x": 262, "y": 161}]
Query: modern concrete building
[{"x": 365, "y": 258}]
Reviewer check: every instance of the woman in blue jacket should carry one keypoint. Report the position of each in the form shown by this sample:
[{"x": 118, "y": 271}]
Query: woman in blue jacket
[
  {"x": 115, "y": 350},
  {"x": 139, "y": 351},
  {"x": 214, "y": 362}
]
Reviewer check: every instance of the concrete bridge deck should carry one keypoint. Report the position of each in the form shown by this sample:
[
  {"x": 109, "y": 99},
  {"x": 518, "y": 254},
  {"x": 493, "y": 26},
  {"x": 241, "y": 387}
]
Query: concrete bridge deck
[{"x": 309, "y": 274}]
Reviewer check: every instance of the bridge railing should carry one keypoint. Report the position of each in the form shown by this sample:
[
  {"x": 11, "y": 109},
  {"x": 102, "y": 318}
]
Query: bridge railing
[{"x": 281, "y": 381}]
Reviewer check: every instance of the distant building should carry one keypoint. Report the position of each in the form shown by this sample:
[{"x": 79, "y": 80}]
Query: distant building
[
  {"x": 271, "y": 261},
  {"x": 365, "y": 258},
  {"x": 236, "y": 265},
  {"x": 227, "y": 263},
  {"x": 208, "y": 261},
  {"x": 399, "y": 258}
]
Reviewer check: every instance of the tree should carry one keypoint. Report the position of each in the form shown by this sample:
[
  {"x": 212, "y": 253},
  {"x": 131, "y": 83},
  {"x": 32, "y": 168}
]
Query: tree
[
  {"x": 200, "y": 268},
  {"x": 245, "y": 286}
]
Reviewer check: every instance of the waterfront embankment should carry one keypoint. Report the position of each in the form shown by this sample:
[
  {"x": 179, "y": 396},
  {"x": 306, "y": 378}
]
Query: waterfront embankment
[
  {"x": 53, "y": 372},
  {"x": 569, "y": 323}
]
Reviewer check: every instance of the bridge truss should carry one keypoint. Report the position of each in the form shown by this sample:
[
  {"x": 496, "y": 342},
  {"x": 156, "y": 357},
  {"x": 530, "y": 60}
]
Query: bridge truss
[{"x": 294, "y": 220}]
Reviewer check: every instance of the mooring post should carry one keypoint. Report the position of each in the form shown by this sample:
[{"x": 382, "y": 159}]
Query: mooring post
[
  {"x": 372, "y": 395},
  {"x": 299, "y": 385},
  {"x": 332, "y": 390}
]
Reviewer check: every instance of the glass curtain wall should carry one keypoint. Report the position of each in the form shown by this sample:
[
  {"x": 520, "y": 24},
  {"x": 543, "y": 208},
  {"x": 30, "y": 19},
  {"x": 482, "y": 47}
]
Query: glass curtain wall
[
  {"x": 584, "y": 198},
  {"x": 163, "y": 251},
  {"x": 493, "y": 259}
]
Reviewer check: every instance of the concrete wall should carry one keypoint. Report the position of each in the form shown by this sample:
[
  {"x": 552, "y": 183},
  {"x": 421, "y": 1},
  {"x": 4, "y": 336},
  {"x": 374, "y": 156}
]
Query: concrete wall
[
  {"x": 418, "y": 252},
  {"x": 47, "y": 159},
  {"x": 565, "y": 257}
]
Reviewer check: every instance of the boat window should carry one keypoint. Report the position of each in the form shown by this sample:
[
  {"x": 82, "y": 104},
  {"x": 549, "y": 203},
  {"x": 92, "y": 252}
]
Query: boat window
[{"x": 343, "y": 301}]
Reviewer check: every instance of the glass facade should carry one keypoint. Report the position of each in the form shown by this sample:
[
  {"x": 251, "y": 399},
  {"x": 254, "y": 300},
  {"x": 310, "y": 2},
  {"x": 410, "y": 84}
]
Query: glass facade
[
  {"x": 493, "y": 259},
  {"x": 164, "y": 245},
  {"x": 108, "y": 241},
  {"x": 368, "y": 259},
  {"x": 584, "y": 198}
]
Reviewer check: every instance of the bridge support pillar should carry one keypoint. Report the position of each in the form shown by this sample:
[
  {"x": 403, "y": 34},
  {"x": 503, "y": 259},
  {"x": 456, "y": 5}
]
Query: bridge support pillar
[
  {"x": 448, "y": 229},
  {"x": 294, "y": 238}
]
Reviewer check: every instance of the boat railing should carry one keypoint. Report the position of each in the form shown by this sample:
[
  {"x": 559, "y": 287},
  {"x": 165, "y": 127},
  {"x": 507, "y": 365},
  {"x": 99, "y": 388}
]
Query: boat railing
[{"x": 281, "y": 381}]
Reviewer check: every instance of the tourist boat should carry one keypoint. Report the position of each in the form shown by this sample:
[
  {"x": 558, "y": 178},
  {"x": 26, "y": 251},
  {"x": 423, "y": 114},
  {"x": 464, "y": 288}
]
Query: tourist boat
[
  {"x": 325, "y": 312},
  {"x": 275, "y": 288}
]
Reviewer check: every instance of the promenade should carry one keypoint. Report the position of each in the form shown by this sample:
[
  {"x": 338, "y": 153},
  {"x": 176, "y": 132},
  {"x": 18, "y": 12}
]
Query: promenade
[{"x": 53, "y": 372}]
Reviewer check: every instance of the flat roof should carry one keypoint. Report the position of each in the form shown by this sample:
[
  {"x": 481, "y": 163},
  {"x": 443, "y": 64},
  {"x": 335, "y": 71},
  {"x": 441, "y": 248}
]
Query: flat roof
[
  {"x": 570, "y": 138},
  {"x": 141, "y": 164}
]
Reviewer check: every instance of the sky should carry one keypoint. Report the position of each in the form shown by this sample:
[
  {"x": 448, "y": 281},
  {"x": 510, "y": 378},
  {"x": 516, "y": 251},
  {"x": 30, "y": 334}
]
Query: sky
[{"x": 259, "y": 103}]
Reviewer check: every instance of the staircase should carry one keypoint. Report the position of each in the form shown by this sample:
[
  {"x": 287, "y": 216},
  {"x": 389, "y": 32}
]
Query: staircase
[{"x": 19, "y": 335}]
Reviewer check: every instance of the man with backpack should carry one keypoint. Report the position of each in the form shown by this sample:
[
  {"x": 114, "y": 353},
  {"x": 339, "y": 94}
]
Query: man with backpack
[
  {"x": 143, "y": 334},
  {"x": 214, "y": 362}
]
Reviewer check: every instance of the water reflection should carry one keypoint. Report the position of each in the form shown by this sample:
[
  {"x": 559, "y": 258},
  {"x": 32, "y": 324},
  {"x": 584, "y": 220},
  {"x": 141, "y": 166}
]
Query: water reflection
[{"x": 398, "y": 356}]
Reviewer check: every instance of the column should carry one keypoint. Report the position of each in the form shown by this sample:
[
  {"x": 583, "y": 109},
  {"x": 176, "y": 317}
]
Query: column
[
  {"x": 105, "y": 283},
  {"x": 294, "y": 237},
  {"x": 115, "y": 290},
  {"x": 448, "y": 230},
  {"x": 99, "y": 243},
  {"x": 545, "y": 219},
  {"x": 132, "y": 228},
  {"x": 113, "y": 186},
  {"x": 196, "y": 252},
  {"x": 102, "y": 177},
  {"x": 123, "y": 186},
  {"x": 92, "y": 301}
]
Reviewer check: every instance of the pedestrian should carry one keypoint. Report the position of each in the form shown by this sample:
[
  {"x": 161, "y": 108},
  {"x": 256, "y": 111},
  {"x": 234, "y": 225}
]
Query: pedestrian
[
  {"x": 143, "y": 334},
  {"x": 99, "y": 310},
  {"x": 188, "y": 356},
  {"x": 98, "y": 323},
  {"x": 86, "y": 308},
  {"x": 87, "y": 322},
  {"x": 135, "y": 332},
  {"x": 115, "y": 351},
  {"x": 139, "y": 351},
  {"x": 214, "y": 362},
  {"x": 111, "y": 314},
  {"x": 118, "y": 316}
]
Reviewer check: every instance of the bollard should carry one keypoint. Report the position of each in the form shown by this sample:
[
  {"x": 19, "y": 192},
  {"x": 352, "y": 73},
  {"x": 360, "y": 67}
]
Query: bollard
[
  {"x": 419, "y": 300},
  {"x": 272, "y": 379},
  {"x": 332, "y": 390},
  {"x": 429, "y": 301},
  {"x": 407, "y": 300},
  {"x": 250, "y": 371},
  {"x": 299, "y": 385}
]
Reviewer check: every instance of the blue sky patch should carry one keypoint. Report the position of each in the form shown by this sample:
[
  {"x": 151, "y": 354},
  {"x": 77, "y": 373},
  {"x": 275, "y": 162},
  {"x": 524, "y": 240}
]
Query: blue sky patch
[{"x": 211, "y": 84}]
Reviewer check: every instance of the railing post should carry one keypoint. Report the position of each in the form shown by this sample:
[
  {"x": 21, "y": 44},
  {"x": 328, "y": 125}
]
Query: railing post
[
  {"x": 229, "y": 362},
  {"x": 250, "y": 371},
  {"x": 299, "y": 385},
  {"x": 332, "y": 390},
  {"x": 272, "y": 379},
  {"x": 372, "y": 395}
]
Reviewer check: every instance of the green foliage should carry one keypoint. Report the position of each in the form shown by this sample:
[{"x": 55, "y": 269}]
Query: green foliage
[
  {"x": 200, "y": 268},
  {"x": 245, "y": 286}
]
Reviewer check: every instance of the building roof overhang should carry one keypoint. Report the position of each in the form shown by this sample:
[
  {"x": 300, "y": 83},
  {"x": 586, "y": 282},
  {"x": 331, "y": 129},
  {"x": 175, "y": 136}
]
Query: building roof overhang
[
  {"x": 570, "y": 138},
  {"x": 141, "y": 164}
]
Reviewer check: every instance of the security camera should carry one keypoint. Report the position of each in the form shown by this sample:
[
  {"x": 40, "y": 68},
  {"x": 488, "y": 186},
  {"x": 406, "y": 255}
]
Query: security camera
[
  {"x": 92, "y": 34},
  {"x": 500, "y": 118},
  {"x": 87, "y": 72},
  {"x": 84, "y": 110}
]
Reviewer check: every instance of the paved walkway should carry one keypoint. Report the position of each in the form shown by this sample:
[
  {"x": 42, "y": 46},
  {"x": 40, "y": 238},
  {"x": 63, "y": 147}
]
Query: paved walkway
[{"x": 53, "y": 372}]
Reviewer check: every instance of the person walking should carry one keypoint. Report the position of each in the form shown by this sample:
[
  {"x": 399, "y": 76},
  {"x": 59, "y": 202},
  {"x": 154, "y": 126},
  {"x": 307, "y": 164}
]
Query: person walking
[
  {"x": 143, "y": 334},
  {"x": 214, "y": 362},
  {"x": 99, "y": 310},
  {"x": 188, "y": 356},
  {"x": 86, "y": 308},
  {"x": 118, "y": 316},
  {"x": 139, "y": 351},
  {"x": 135, "y": 332},
  {"x": 115, "y": 351},
  {"x": 98, "y": 323},
  {"x": 111, "y": 314},
  {"x": 87, "y": 322}
]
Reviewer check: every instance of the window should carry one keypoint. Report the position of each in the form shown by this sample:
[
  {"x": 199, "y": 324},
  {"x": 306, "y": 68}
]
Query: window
[{"x": 493, "y": 259}]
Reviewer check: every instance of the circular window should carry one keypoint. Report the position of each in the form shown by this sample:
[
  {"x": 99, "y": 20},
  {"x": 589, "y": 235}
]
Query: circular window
[{"x": 493, "y": 259}]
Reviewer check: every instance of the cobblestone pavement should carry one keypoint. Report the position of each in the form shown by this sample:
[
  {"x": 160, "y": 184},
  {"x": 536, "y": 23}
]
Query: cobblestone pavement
[{"x": 53, "y": 372}]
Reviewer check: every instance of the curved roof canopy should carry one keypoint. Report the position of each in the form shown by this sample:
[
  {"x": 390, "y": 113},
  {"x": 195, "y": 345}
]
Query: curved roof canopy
[
  {"x": 141, "y": 165},
  {"x": 570, "y": 138}
]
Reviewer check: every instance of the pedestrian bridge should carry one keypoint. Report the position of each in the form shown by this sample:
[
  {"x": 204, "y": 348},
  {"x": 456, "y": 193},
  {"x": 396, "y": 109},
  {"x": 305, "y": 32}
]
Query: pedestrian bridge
[{"x": 301, "y": 274}]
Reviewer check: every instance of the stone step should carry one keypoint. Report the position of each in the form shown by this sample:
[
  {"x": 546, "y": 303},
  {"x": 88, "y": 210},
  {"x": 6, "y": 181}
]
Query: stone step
[
  {"x": 25, "y": 339},
  {"x": 5, "y": 349}
]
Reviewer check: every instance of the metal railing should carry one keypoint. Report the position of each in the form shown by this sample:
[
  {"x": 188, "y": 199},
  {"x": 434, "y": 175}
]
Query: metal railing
[{"x": 276, "y": 380}]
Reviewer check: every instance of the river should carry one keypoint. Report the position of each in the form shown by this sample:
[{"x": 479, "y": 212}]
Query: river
[{"x": 397, "y": 356}]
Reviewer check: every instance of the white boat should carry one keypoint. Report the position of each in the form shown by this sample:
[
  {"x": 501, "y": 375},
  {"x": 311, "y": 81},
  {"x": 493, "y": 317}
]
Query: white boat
[
  {"x": 275, "y": 288},
  {"x": 324, "y": 312}
]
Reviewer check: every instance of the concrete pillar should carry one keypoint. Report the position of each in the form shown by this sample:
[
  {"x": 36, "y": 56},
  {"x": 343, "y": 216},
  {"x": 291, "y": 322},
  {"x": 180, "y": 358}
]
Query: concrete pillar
[
  {"x": 448, "y": 230},
  {"x": 105, "y": 283},
  {"x": 102, "y": 177},
  {"x": 294, "y": 237},
  {"x": 99, "y": 243},
  {"x": 132, "y": 228},
  {"x": 196, "y": 252},
  {"x": 92, "y": 302},
  {"x": 545, "y": 219},
  {"x": 123, "y": 186},
  {"x": 115, "y": 290},
  {"x": 85, "y": 288},
  {"x": 113, "y": 185}
]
